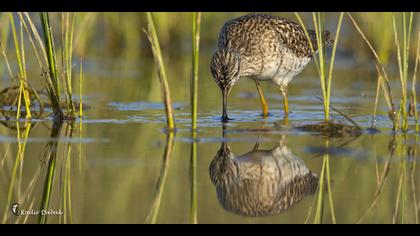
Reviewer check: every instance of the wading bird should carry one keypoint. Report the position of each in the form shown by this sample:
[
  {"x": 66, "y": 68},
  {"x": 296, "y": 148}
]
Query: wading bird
[{"x": 263, "y": 48}]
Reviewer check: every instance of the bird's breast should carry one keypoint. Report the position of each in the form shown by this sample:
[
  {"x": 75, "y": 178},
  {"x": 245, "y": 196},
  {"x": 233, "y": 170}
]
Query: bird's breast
[{"x": 279, "y": 67}]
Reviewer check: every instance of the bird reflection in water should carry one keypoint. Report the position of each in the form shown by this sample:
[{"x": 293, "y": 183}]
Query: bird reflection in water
[{"x": 260, "y": 182}]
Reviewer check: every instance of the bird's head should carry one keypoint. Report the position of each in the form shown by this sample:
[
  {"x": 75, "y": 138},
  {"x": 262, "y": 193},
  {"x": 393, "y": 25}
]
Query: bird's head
[{"x": 225, "y": 68}]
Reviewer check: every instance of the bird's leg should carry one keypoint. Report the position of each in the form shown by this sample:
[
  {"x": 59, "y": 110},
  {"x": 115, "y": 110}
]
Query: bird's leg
[
  {"x": 283, "y": 90},
  {"x": 262, "y": 98}
]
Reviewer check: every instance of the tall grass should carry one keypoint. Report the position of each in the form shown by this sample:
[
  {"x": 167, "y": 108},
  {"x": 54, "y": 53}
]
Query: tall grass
[
  {"x": 325, "y": 76},
  {"x": 157, "y": 55},
  {"x": 54, "y": 91},
  {"x": 22, "y": 78},
  {"x": 382, "y": 81},
  {"x": 46, "y": 53},
  {"x": 195, "y": 57},
  {"x": 402, "y": 27},
  {"x": 403, "y": 61},
  {"x": 80, "y": 113},
  {"x": 413, "y": 96},
  {"x": 67, "y": 49},
  {"x": 81, "y": 90},
  {"x": 196, "y": 22}
]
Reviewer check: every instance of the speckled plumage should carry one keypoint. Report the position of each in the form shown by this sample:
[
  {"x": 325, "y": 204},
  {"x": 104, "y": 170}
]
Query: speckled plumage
[
  {"x": 262, "y": 43},
  {"x": 262, "y": 47},
  {"x": 260, "y": 182}
]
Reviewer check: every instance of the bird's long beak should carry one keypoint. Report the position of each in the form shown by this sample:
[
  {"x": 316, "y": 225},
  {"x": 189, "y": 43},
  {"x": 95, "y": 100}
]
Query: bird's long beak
[{"x": 225, "y": 117}]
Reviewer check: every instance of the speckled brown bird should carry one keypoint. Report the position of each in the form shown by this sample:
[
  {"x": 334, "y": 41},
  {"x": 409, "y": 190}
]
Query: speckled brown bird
[
  {"x": 263, "y": 48},
  {"x": 261, "y": 182}
]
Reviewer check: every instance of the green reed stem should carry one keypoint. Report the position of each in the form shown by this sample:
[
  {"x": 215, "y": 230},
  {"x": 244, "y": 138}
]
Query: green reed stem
[
  {"x": 195, "y": 65},
  {"x": 334, "y": 49},
  {"x": 81, "y": 90},
  {"x": 80, "y": 113},
  {"x": 20, "y": 55},
  {"x": 194, "y": 108},
  {"x": 403, "y": 61},
  {"x": 23, "y": 81},
  {"x": 413, "y": 85},
  {"x": 49, "y": 45},
  {"x": 68, "y": 51},
  {"x": 319, "y": 29},
  {"x": 157, "y": 55},
  {"x": 320, "y": 60},
  {"x": 50, "y": 51},
  {"x": 15, "y": 39}
]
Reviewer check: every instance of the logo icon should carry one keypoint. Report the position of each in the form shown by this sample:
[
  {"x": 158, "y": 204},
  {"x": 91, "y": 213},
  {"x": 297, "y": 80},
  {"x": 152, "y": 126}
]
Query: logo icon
[{"x": 14, "y": 208}]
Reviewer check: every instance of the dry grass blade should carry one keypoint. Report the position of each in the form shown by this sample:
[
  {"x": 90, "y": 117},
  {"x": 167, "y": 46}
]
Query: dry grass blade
[
  {"x": 382, "y": 75},
  {"x": 157, "y": 55},
  {"x": 413, "y": 98},
  {"x": 6, "y": 60}
]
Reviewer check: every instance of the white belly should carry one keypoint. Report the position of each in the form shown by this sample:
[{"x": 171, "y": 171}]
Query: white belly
[{"x": 282, "y": 70}]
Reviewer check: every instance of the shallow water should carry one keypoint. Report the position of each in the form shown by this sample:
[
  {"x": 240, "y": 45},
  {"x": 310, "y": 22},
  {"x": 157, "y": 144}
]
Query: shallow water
[
  {"x": 117, "y": 161},
  {"x": 118, "y": 164}
]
